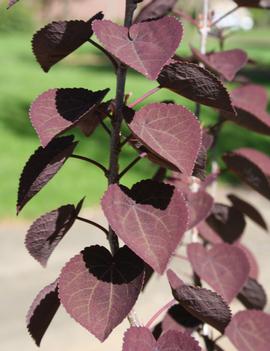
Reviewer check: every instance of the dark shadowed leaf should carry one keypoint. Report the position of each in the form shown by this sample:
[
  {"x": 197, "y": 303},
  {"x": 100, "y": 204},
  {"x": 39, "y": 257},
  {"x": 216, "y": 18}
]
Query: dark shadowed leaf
[
  {"x": 227, "y": 221},
  {"x": 155, "y": 9},
  {"x": 139, "y": 46},
  {"x": 197, "y": 84},
  {"x": 48, "y": 230},
  {"x": 170, "y": 131},
  {"x": 249, "y": 331},
  {"x": 42, "y": 311},
  {"x": 203, "y": 304},
  {"x": 248, "y": 210},
  {"x": 57, "y": 40},
  {"x": 199, "y": 170},
  {"x": 252, "y": 166},
  {"x": 254, "y": 268},
  {"x": 42, "y": 166},
  {"x": 141, "y": 339},
  {"x": 99, "y": 290},
  {"x": 253, "y": 295},
  {"x": 150, "y": 222},
  {"x": 225, "y": 63},
  {"x": 264, "y": 4},
  {"x": 58, "y": 110},
  {"x": 224, "y": 267}
]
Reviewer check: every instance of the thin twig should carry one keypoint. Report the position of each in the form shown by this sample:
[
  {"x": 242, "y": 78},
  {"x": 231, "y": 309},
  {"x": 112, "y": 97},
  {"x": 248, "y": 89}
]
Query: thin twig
[
  {"x": 225, "y": 15},
  {"x": 108, "y": 131},
  {"x": 159, "y": 312},
  {"x": 185, "y": 16},
  {"x": 132, "y": 164},
  {"x": 145, "y": 96},
  {"x": 124, "y": 142},
  {"x": 89, "y": 160},
  {"x": 94, "y": 224}
]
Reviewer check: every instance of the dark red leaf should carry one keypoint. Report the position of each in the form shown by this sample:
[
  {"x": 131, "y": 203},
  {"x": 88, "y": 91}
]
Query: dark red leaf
[
  {"x": 253, "y": 296},
  {"x": 139, "y": 47},
  {"x": 224, "y": 267},
  {"x": 42, "y": 311},
  {"x": 155, "y": 9},
  {"x": 141, "y": 339},
  {"x": 251, "y": 93},
  {"x": 199, "y": 170},
  {"x": 227, "y": 221},
  {"x": 58, "y": 39},
  {"x": 225, "y": 63},
  {"x": 264, "y": 4},
  {"x": 98, "y": 290},
  {"x": 58, "y": 110},
  {"x": 134, "y": 217},
  {"x": 170, "y": 131},
  {"x": 254, "y": 268},
  {"x": 252, "y": 166},
  {"x": 248, "y": 210},
  {"x": 203, "y": 304},
  {"x": 42, "y": 166},
  {"x": 197, "y": 84},
  {"x": 249, "y": 331},
  {"x": 48, "y": 230}
]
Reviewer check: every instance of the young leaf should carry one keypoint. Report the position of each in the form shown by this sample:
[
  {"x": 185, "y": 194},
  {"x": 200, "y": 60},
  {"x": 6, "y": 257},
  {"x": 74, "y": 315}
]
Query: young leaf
[
  {"x": 248, "y": 210},
  {"x": 195, "y": 83},
  {"x": 48, "y": 230},
  {"x": 253, "y": 296},
  {"x": 252, "y": 166},
  {"x": 98, "y": 290},
  {"x": 224, "y": 267},
  {"x": 42, "y": 166},
  {"x": 263, "y": 4},
  {"x": 58, "y": 110},
  {"x": 133, "y": 215},
  {"x": 203, "y": 304},
  {"x": 141, "y": 339},
  {"x": 249, "y": 331},
  {"x": 225, "y": 63},
  {"x": 155, "y": 9},
  {"x": 57, "y": 40},
  {"x": 42, "y": 311},
  {"x": 139, "y": 47},
  {"x": 170, "y": 131}
]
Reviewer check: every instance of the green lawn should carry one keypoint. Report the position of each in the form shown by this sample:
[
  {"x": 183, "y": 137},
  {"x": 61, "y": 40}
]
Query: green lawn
[{"x": 22, "y": 80}]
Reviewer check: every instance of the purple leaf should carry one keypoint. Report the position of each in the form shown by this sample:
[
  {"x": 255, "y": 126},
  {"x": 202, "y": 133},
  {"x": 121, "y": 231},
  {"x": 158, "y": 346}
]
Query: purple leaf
[
  {"x": 264, "y": 4},
  {"x": 141, "y": 339},
  {"x": 254, "y": 268},
  {"x": 252, "y": 166},
  {"x": 98, "y": 290},
  {"x": 133, "y": 215},
  {"x": 197, "y": 84},
  {"x": 42, "y": 166},
  {"x": 48, "y": 230},
  {"x": 248, "y": 210},
  {"x": 249, "y": 331},
  {"x": 155, "y": 9},
  {"x": 203, "y": 304},
  {"x": 224, "y": 267},
  {"x": 139, "y": 46},
  {"x": 254, "y": 93},
  {"x": 57, "y": 40},
  {"x": 227, "y": 221},
  {"x": 225, "y": 63},
  {"x": 42, "y": 311},
  {"x": 208, "y": 234},
  {"x": 253, "y": 296},
  {"x": 11, "y": 3},
  {"x": 58, "y": 110},
  {"x": 170, "y": 131}
]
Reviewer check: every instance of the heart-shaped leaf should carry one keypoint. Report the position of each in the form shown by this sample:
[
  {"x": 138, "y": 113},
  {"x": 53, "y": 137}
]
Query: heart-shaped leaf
[
  {"x": 254, "y": 268},
  {"x": 208, "y": 234},
  {"x": 253, "y": 296},
  {"x": 203, "y": 304},
  {"x": 42, "y": 166},
  {"x": 134, "y": 214},
  {"x": 252, "y": 166},
  {"x": 58, "y": 110},
  {"x": 264, "y": 4},
  {"x": 248, "y": 210},
  {"x": 155, "y": 9},
  {"x": 139, "y": 46},
  {"x": 48, "y": 230},
  {"x": 98, "y": 290},
  {"x": 249, "y": 331},
  {"x": 141, "y": 339},
  {"x": 195, "y": 83},
  {"x": 42, "y": 311},
  {"x": 171, "y": 131},
  {"x": 224, "y": 267},
  {"x": 58, "y": 39},
  {"x": 251, "y": 93},
  {"x": 225, "y": 63}
]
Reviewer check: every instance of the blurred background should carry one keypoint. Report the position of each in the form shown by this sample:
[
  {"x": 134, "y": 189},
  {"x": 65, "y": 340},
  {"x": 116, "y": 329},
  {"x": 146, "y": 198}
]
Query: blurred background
[{"x": 22, "y": 80}]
